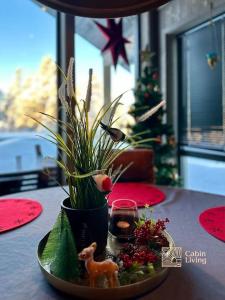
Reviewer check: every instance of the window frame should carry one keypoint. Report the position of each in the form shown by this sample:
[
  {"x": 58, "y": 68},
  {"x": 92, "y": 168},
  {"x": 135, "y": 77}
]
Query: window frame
[
  {"x": 66, "y": 47},
  {"x": 195, "y": 151}
]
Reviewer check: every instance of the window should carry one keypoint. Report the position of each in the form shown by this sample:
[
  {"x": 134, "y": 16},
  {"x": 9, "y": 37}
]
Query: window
[
  {"x": 108, "y": 82},
  {"x": 88, "y": 55},
  {"x": 123, "y": 81},
  {"x": 201, "y": 113},
  {"x": 123, "y": 77},
  {"x": 27, "y": 84},
  {"x": 28, "y": 79}
]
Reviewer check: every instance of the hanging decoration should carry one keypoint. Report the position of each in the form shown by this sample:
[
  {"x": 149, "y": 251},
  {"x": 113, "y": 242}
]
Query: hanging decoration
[
  {"x": 116, "y": 42},
  {"x": 212, "y": 56},
  {"x": 212, "y": 59}
]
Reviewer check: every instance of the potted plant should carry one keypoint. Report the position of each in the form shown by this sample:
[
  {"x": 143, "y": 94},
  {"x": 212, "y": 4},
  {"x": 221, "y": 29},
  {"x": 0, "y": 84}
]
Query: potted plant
[{"x": 90, "y": 149}]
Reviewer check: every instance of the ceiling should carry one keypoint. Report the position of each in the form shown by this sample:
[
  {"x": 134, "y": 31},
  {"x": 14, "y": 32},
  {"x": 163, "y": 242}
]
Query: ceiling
[{"x": 87, "y": 29}]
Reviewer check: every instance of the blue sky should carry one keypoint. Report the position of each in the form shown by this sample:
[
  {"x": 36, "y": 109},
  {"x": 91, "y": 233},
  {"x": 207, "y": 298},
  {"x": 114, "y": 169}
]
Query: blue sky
[{"x": 27, "y": 33}]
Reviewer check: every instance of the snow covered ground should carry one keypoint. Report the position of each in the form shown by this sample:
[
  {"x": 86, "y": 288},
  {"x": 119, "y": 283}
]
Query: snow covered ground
[{"x": 25, "y": 151}]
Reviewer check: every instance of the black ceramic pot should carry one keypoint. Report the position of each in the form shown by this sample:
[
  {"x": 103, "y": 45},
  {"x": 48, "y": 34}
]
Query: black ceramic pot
[{"x": 88, "y": 225}]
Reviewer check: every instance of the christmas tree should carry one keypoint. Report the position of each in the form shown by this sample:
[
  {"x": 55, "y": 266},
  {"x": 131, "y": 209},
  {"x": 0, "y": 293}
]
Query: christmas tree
[{"x": 148, "y": 95}]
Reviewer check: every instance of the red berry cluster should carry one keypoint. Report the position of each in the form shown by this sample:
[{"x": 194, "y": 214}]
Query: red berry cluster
[
  {"x": 160, "y": 226},
  {"x": 149, "y": 231},
  {"x": 147, "y": 236},
  {"x": 134, "y": 254}
]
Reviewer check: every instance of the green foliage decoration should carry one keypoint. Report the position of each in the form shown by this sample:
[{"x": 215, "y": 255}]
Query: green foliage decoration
[
  {"x": 60, "y": 250},
  {"x": 88, "y": 149}
]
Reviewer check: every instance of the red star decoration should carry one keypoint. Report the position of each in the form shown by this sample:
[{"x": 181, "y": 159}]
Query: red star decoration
[{"x": 116, "y": 42}]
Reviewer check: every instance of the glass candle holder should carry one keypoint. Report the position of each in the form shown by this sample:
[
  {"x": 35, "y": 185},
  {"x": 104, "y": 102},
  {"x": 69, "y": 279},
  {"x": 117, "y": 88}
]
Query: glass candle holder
[{"x": 124, "y": 214}]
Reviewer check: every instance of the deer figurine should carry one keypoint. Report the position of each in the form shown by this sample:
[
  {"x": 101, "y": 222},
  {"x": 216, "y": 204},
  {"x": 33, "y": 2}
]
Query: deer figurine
[{"x": 95, "y": 269}]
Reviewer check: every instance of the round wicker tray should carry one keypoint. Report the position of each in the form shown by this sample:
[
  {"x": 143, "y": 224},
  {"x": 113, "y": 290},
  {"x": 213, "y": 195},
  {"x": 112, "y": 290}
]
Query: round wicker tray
[{"x": 123, "y": 292}]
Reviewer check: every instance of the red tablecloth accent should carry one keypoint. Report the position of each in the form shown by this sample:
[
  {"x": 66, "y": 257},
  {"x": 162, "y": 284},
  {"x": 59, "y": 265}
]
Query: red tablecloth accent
[
  {"x": 17, "y": 212},
  {"x": 213, "y": 221},
  {"x": 143, "y": 194}
]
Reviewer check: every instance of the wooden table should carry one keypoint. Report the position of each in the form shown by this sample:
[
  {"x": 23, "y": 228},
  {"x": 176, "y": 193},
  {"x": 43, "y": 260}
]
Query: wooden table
[{"x": 21, "y": 279}]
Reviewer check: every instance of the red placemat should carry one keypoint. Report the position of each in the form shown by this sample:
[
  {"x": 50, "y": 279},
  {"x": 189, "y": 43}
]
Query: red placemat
[
  {"x": 17, "y": 212},
  {"x": 213, "y": 221},
  {"x": 143, "y": 194}
]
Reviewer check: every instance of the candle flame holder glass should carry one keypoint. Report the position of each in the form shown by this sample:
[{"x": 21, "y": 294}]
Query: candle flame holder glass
[{"x": 124, "y": 215}]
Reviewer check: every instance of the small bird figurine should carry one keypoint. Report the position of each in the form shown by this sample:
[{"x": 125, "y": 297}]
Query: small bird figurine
[{"x": 116, "y": 134}]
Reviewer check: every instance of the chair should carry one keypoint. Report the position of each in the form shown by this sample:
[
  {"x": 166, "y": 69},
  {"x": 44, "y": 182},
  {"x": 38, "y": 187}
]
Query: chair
[
  {"x": 25, "y": 181},
  {"x": 142, "y": 168}
]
